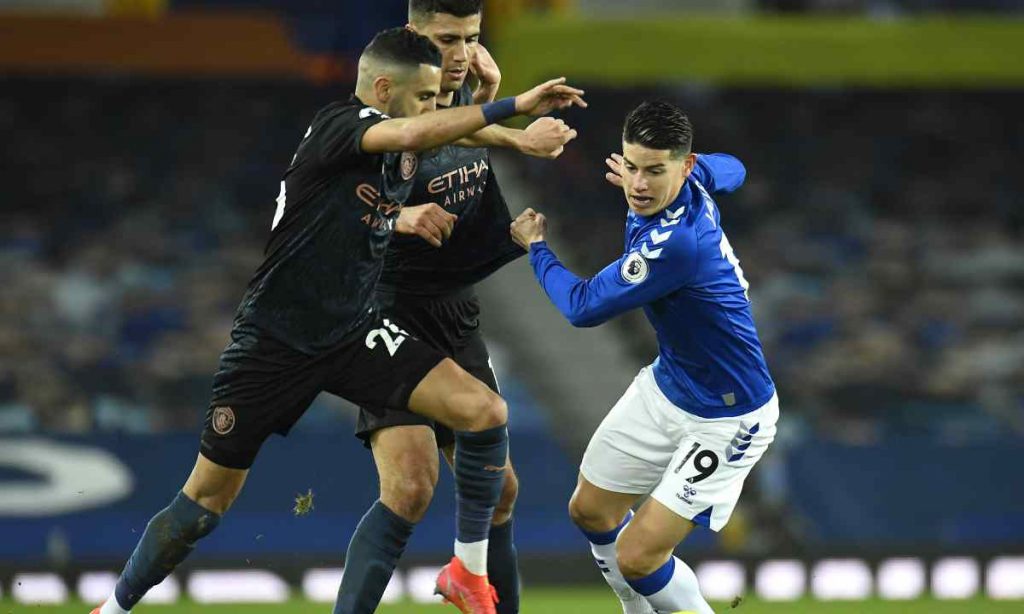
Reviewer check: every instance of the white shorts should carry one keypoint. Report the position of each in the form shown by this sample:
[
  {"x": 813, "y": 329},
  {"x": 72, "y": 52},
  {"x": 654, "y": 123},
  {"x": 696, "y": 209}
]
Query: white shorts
[{"x": 694, "y": 466}]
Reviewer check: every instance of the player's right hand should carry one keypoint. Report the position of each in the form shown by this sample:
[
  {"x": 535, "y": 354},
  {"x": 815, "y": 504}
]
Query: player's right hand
[
  {"x": 430, "y": 222},
  {"x": 549, "y": 96},
  {"x": 614, "y": 176},
  {"x": 545, "y": 138}
]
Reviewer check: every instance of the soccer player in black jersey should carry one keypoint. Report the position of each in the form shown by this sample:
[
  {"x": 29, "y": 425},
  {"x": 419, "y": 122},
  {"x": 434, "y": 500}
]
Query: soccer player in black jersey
[
  {"x": 428, "y": 290},
  {"x": 307, "y": 322}
]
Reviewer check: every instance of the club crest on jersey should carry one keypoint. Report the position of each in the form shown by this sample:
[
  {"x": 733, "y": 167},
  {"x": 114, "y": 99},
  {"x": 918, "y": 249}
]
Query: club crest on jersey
[
  {"x": 223, "y": 420},
  {"x": 408, "y": 165},
  {"x": 635, "y": 268}
]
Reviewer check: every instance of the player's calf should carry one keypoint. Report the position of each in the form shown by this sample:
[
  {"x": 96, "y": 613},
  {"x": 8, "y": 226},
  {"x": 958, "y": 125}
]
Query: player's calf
[
  {"x": 507, "y": 501},
  {"x": 172, "y": 533},
  {"x": 644, "y": 556}
]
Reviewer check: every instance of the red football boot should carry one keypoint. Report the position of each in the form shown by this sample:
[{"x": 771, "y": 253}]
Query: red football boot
[{"x": 471, "y": 593}]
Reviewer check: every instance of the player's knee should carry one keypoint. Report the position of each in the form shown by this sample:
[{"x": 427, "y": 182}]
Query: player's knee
[
  {"x": 589, "y": 518},
  {"x": 486, "y": 411},
  {"x": 409, "y": 497},
  {"x": 509, "y": 493},
  {"x": 635, "y": 559}
]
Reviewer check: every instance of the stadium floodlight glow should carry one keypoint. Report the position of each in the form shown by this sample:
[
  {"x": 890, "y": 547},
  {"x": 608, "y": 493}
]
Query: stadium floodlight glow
[
  {"x": 395, "y": 590},
  {"x": 955, "y": 578},
  {"x": 168, "y": 591},
  {"x": 38, "y": 588},
  {"x": 420, "y": 582},
  {"x": 321, "y": 585},
  {"x": 781, "y": 580},
  {"x": 901, "y": 578},
  {"x": 96, "y": 586},
  {"x": 1005, "y": 578},
  {"x": 241, "y": 586},
  {"x": 847, "y": 579},
  {"x": 721, "y": 580}
]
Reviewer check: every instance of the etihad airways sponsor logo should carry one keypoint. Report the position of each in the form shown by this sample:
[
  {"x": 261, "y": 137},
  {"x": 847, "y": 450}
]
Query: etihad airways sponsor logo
[
  {"x": 371, "y": 198},
  {"x": 459, "y": 177}
]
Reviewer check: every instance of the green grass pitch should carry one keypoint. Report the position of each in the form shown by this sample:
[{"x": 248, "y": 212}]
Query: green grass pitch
[{"x": 569, "y": 601}]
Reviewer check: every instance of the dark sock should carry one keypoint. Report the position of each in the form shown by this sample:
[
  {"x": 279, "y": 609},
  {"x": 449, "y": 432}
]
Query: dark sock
[
  {"x": 503, "y": 567},
  {"x": 170, "y": 536},
  {"x": 373, "y": 552},
  {"x": 479, "y": 474}
]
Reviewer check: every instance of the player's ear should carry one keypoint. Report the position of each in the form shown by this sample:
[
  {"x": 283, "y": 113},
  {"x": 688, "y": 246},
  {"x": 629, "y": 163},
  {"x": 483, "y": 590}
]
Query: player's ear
[
  {"x": 688, "y": 164},
  {"x": 383, "y": 88}
]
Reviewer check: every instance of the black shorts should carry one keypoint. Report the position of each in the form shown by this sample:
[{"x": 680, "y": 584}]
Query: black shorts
[
  {"x": 264, "y": 387},
  {"x": 451, "y": 325}
]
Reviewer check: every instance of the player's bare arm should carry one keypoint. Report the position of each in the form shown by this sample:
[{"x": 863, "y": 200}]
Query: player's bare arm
[
  {"x": 431, "y": 130},
  {"x": 544, "y": 138}
]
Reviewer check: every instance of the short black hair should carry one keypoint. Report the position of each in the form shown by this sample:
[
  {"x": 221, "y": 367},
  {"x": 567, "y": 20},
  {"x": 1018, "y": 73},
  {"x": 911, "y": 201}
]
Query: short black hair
[
  {"x": 419, "y": 9},
  {"x": 403, "y": 47},
  {"x": 659, "y": 124}
]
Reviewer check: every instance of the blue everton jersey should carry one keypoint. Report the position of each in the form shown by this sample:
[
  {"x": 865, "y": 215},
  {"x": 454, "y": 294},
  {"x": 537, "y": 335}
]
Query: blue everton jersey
[{"x": 679, "y": 267}]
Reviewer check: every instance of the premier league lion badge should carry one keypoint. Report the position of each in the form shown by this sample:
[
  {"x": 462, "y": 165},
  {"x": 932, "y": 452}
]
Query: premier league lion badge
[{"x": 635, "y": 268}]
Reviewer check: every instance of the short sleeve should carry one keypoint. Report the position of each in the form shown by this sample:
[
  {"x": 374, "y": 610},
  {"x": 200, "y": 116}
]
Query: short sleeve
[{"x": 338, "y": 133}]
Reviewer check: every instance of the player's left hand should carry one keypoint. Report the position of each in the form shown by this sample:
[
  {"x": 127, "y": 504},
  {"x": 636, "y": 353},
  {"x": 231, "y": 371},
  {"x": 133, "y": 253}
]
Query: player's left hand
[
  {"x": 529, "y": 227},
  {"x": 430, "y": 222},
  {"x": 545, "y": 138},
  {"x": 485, "y": 69},
  {"x": 614, "y": 162}
]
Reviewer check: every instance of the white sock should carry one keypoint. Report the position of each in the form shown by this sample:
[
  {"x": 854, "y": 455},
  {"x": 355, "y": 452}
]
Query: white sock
[
  {"x": 632, "y": 601},
  {"x": 472, "y": 555},
  {"x": 681, "y": 593},
  {"x": 110, "y": 606}
]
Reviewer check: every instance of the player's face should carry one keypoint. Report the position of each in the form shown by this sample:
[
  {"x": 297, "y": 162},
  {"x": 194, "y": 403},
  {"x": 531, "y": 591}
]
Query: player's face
[
  {"x": 457, "y": 38},
  {"x": 415, "y": 92},
  {"x": 652, "y": 178}
]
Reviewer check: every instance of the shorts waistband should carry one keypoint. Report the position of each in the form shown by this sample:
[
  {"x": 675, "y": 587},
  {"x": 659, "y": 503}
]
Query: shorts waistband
[{"x": 392, "y": 294}]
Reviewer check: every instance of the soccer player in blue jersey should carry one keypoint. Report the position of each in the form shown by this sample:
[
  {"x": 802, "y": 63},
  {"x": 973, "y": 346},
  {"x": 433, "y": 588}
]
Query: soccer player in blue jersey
[{"x": 692, "y": 424}]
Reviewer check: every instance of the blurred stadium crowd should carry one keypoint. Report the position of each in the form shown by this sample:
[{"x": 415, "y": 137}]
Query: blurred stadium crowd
[{"x": 881, "y": 233}]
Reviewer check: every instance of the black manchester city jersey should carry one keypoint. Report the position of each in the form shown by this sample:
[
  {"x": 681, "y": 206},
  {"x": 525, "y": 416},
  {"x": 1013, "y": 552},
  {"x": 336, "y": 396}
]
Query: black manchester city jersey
[
  {"x": 461, "y": 180},
  {"x": 335, "y": 214}
]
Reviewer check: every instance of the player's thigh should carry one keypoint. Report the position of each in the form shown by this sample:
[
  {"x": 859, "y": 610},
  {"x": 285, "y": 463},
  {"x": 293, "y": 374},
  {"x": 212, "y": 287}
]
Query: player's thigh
[
  {"x": 214, "y": 487},
  {"x": 260, "y": 388},
  {"x": 453, "y": 397},
  {"x": 706, "y": 475},
  {"x": 472, "y": 355},
  {"x": 596, "y": 509},
  {"x": 630, "y": 450},
  {"x": 379, "y": 365}
]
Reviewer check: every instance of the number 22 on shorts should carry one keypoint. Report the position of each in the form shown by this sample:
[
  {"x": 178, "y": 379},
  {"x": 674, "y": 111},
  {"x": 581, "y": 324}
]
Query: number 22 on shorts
[{"x": 391, "y": 335}]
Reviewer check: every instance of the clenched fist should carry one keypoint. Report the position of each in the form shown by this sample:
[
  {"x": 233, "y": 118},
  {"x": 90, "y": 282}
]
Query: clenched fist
[
  {"x": 528, "y": 228},
  {"x": 430, "y": 222}
]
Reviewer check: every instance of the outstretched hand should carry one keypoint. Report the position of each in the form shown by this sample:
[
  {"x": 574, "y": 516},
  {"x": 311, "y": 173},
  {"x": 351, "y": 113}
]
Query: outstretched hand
[
  {"x": 614, "y": 176},
  {"x": 487, "y": 73},
  {"x": 549, "y": 96}
]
